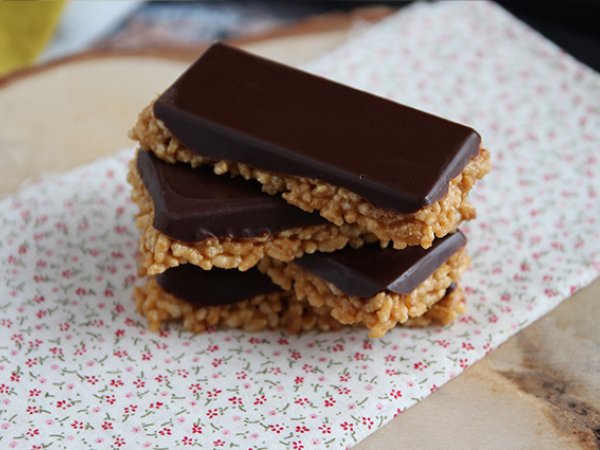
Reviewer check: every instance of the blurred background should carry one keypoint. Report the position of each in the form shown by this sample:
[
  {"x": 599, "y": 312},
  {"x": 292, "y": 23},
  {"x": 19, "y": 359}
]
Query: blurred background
[{"x": 37, "y": 32}]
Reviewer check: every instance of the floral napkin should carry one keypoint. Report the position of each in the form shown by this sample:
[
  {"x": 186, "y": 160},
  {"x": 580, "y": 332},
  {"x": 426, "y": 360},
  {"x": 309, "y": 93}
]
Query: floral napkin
[{"x": 78, "y": 369}]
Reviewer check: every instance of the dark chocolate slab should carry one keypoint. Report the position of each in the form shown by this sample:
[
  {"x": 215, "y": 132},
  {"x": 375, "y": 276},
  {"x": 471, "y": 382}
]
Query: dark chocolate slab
[
  {"x": 235, "y": 106},
  {"x": 368, "y": 270},
  {"x": 195, "y": 204},
  {"x": 216, "y": 287}
]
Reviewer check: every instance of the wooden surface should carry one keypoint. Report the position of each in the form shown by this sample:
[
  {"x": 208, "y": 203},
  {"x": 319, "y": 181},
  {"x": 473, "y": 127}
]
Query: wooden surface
[
  {"x": 539, "y": 390},
  {"x": 74, "y": 110}
]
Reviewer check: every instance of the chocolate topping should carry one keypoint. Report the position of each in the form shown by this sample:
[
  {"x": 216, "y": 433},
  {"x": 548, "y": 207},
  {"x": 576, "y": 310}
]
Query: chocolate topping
[
  {"x": 450, "y": 289},
  {"x": 368, "y": 270},
  {"x": 235, "y": 106},
  {"x": 216, "y": 287},
  {"x": 195, "y": 204}
]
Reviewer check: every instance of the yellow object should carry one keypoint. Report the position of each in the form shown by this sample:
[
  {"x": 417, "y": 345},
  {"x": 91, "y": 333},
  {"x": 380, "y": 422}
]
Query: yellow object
[{"x": 25, "y": 28}]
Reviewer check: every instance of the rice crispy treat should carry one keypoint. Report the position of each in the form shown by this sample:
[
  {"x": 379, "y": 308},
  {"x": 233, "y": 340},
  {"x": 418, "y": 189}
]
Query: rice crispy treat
[
  {"x": 336, "y": 204},
  {"x": 279, "y": 310},
  {"x": 160, "y": 252},
  {"x": 379, "y": 313}
]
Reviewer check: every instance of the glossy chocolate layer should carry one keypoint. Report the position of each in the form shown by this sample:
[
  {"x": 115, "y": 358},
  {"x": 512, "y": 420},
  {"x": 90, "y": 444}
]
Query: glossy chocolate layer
[
  {"x": 216, "y": 287},
  {"x": 195, "y": 204},
  {"x": 235, "y": 106},
  {"x": 368, "y": 270}
]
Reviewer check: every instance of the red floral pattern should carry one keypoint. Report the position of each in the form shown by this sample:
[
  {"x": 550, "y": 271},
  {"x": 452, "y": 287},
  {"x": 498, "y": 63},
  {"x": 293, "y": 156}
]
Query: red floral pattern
[{"x": 78, "y": 369}]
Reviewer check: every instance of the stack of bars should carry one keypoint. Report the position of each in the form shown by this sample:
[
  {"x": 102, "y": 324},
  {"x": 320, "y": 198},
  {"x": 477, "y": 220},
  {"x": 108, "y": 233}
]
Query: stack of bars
[{"x": 271, "y": 198}]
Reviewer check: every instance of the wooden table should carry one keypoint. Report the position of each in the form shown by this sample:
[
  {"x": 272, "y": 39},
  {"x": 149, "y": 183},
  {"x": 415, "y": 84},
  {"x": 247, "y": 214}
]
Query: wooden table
[{"x": 541, "y": 389}]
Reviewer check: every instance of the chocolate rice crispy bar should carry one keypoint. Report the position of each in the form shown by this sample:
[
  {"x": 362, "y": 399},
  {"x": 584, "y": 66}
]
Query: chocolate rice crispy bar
[
  {"x": 381, "y": 312},
  {"x": 278, "y": 310},
  {"x": 336, "y": 204},
  {"x": 160, "y": 252}
]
